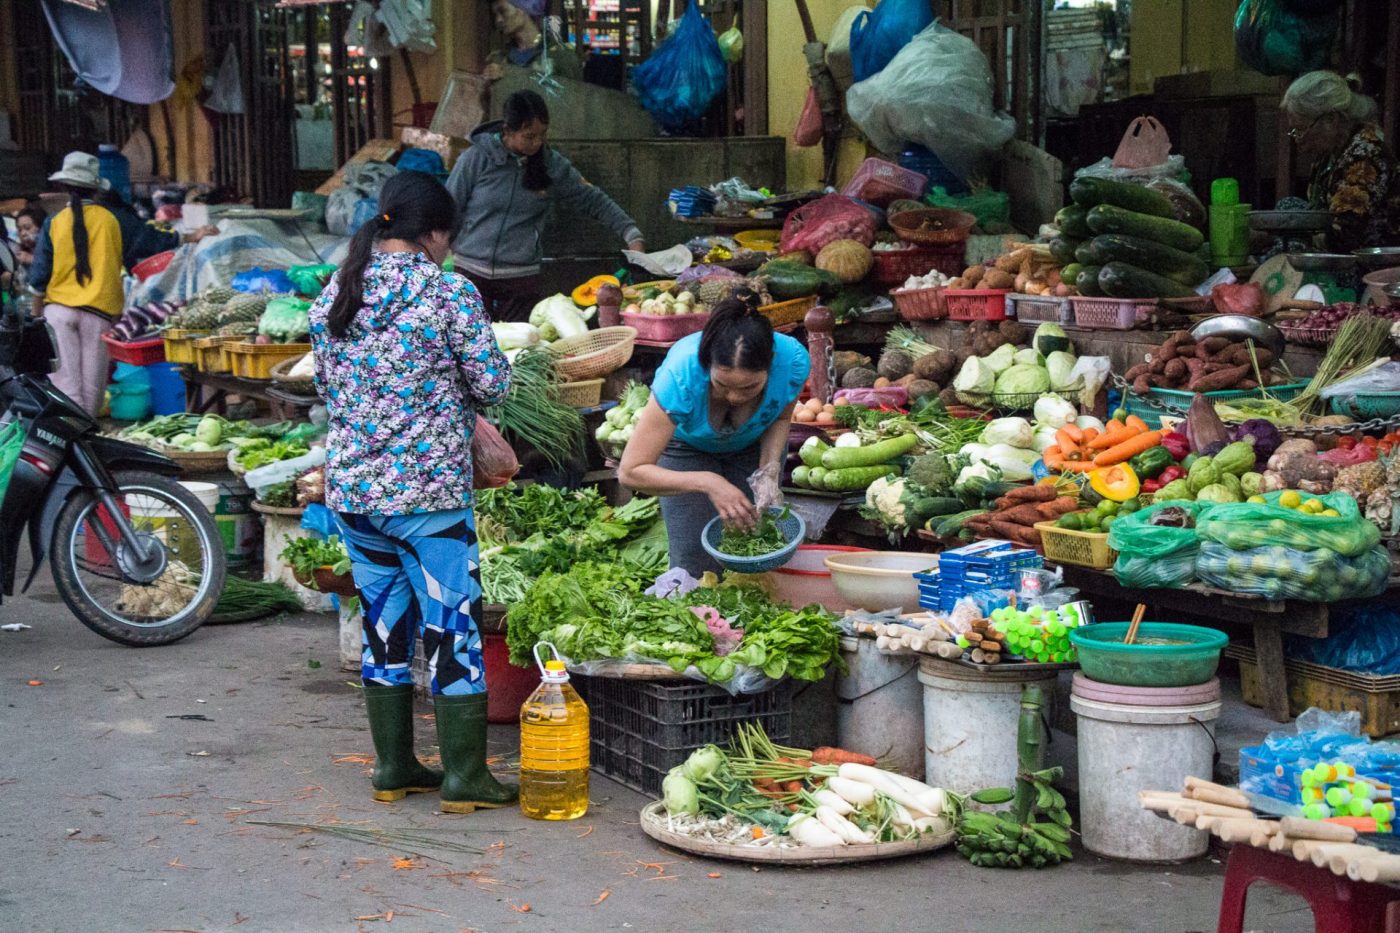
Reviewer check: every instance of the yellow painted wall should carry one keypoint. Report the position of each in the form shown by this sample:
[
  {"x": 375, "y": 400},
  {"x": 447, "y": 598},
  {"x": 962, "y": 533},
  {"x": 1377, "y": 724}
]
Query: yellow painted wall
[
  {"x": 787, "y": 88},
  {"x": 1157, "y": 49},
  {"x": 9, "y": 74},
  {"x": 194, "y": 153}
]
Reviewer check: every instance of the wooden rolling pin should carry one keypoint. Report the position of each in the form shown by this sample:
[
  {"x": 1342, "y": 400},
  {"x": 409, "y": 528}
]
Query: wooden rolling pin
[
  {"x": 1233, "y": 830},
  {"x": 1205, "y": 808},
  {"x": 1381, "y": 869},
  {"x": 1200, "y": 789},
  {"x": 1281, "y": 843},
  {"x": 1335, "y": 855},
  {"x": 1298, "y": 828}
]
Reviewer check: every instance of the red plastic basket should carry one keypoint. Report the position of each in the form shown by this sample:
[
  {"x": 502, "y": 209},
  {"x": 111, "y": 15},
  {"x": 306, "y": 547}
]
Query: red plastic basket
[
  {"x": 919, "y": 304},
  {"x": 975, "y": 304},
  {"x": 1110, "y": 313},
  {"x": 153, "y": 265},
  {"x": 664, "y": 328},
  {"x": 893, "y": 266},
  {"x": 881, "y": 183},
  {"x": 137, "y": 353}
]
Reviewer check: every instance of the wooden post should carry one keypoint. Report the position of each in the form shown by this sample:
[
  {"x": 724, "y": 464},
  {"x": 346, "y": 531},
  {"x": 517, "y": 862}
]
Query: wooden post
[{"x": 820, "y": 345}]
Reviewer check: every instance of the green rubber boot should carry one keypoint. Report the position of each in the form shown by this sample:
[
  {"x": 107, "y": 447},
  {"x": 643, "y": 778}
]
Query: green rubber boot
[
  {"x": 467, "y": 782},
  {"x": 397, "y": 771}
]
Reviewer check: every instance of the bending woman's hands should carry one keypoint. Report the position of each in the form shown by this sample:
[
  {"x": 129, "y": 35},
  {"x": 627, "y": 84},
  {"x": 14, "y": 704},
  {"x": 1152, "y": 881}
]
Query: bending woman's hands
[{"x": 733, "y": 506}]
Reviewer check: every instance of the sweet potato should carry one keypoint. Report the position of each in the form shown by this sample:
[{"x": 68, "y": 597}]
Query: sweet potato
[
  {"x": 973, "y": 274},
  {"x": 1210, "y": 346},
  {"x": 1175, "y": 341},
  {"x": 1020, "y": 534},
  {"x": 1224, "y": 379},
  {"x": 1140, "y": 369},
  {"x": 1049, "y": 511},
  {"x": 1026, "y": 514},
  {"x": 1197, "y": 368},
  {"x": 1159, "y": 366},
  {"x": 1036, "y": 493},
  {"x": 1176, "y": 370},
  {"x": 1246, "y": 384}
]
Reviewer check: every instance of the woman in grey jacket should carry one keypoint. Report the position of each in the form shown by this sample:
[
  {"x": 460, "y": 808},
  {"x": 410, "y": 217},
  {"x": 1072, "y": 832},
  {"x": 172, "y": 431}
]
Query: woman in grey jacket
[{"x": 503, "y": 186}]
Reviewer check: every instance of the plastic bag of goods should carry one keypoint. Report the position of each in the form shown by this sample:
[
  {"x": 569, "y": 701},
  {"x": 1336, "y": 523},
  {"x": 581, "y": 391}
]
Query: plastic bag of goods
[
  {"x": 936, "y": 92},
  {"x": 1156, "y": 546},
  {"x": 825, "y": 220},
  {"x": 1242, "y": 526},
  {"x": 1276, "y": 572},
  {"x": 877, "y": 35},
  {"x": 686, "y": 72},
  {"x": 1273, "y": 39}
]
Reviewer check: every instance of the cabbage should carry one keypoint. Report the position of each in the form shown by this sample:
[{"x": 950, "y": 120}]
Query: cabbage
[
  {"x": 1054, "y": 411},
  {"x": 510, "y": 336},
  {"x": 1013, "y": 462},
  {"x": 1001, "y": 359},
  {"x": 557, "y": 318},
  {"x": 1043, "y": 437},
  {"x": 1015, "y": 432},
  {"x": 1029, "y": 357},
  {"x": 974, "y": 381},
  {"x": 1085, "y": 422},
  {"x": 1022, "y": 380},
  {"x": 1060, "y": 365}
]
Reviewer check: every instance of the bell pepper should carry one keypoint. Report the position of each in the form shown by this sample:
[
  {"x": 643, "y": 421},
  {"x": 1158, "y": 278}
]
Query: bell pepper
[
  {"x": 1152, "y": 462},
  {"x": 1150, "y": 486},
  {"x": 1177, "y": 444},
  {"x": 1117, "y": 483},
  {"x": 1170, "y": 474}
]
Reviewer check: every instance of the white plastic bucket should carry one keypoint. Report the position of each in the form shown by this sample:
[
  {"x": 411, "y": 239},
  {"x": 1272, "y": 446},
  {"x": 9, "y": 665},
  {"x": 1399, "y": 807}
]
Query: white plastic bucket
[
  {"x": 878, "y": 707},
  {"x": 1124, "y": 749},
  {"x": 970, "y": 723}
]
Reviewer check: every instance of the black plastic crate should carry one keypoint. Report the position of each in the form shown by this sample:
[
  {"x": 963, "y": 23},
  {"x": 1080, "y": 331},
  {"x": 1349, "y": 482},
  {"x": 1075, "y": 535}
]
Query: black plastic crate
[{"x": 641, "y": 729}]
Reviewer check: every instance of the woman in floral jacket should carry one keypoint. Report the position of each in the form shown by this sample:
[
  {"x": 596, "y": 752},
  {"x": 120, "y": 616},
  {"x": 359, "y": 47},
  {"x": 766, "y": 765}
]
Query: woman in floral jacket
[
  {"x": 404, "y": 357},
  {"x": 1354, "y": 175}
]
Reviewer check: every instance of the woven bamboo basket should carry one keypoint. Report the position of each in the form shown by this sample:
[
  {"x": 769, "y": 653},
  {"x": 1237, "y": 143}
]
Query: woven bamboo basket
[
  {"x": 582, "y": 394},
  {"x": 595, "y": 354},
  {"x": 294, "y": 385}
]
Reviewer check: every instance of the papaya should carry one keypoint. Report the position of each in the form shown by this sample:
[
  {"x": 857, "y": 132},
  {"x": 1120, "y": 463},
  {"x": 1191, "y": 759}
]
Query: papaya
[{"x": 586, "y": 295}]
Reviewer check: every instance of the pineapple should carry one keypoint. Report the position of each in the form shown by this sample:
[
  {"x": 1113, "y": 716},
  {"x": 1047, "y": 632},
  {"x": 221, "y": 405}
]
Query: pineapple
[
  {"x": 239, "y": 329},
  {"x": 712, "y": 291},
  {"x": 244, "y": 308},
  {"x": 219, "y": 295}
]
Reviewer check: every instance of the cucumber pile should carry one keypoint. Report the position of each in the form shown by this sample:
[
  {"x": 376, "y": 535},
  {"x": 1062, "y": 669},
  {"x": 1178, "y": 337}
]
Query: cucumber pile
[
  {"x": 849, "y": 467},
  {"x": 1123, "y": 241}
]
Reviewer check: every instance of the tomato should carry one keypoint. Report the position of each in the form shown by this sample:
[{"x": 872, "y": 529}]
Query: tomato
[
  {"x": 1386, "y": 446},
  {"x": 1347, "y": 442},
  {"x": 1369, "y": 441}
]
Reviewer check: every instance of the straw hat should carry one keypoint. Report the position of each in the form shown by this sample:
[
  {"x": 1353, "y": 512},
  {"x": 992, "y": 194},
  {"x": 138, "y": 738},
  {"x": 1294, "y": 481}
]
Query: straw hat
[{"x": 81, "y": 171}]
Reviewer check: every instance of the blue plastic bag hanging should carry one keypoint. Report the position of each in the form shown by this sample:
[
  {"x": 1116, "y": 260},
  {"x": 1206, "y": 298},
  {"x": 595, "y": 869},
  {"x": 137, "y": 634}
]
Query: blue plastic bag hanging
[
  {"x": 878, "y": 35},
  {"x": 684, "y": 75},
  {"x": 258, "y": 279},
  {"x": 1273, "y": 39}
]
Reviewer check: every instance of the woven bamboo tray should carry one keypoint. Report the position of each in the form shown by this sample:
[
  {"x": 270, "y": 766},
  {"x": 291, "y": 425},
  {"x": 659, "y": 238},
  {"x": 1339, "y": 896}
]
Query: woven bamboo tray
[
  {"x": 212, "y": 461},
  {"x": 266, "y": 509},
  {"x": 291, "y": 384},
  {"x": 593, "y": 355},
  {"x": 653, "y": 819}
]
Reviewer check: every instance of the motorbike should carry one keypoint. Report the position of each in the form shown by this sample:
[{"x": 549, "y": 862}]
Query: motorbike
[{"x": 134, "y": 555}]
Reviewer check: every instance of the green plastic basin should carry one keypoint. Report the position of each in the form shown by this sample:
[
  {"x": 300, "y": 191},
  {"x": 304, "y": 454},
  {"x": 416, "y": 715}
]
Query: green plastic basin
[{"x": 1104, "y": 657}]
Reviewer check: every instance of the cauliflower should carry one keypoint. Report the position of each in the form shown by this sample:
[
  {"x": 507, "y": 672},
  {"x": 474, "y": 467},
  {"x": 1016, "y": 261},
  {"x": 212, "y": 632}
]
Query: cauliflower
[{"x": 884, "y": 500}]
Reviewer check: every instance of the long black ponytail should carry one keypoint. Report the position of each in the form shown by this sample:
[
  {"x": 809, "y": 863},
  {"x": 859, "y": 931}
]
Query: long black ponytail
[
  {"x": 520, "y": 110},
  {"x": 411, "y": 206},
  {"x": 82, "y": 264}
]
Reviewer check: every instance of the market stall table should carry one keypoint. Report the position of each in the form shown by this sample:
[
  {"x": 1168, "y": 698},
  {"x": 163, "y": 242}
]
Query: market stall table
[
  {"x": 222, "y": 385},
  {"x": 1269, "y": 619}
]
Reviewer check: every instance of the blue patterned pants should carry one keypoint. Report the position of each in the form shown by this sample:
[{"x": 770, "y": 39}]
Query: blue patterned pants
[{"x": 419, "y": 574}]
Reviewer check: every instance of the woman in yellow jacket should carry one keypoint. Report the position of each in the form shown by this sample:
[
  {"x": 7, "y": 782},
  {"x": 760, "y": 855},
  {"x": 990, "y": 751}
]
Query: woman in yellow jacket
[{"x": 78, "y": 270}]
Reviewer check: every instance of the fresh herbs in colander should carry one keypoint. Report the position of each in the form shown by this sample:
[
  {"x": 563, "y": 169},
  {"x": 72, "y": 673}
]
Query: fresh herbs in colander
[{"x": 765, "y": 538}]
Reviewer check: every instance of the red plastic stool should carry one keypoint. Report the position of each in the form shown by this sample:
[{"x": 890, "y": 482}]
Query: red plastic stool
[{"x": 1339, "y": 905}]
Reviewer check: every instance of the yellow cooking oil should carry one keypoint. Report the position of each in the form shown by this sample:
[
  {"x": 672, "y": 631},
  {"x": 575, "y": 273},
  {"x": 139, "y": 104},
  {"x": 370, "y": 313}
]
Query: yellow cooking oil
[{"x": 554, "y": 749}]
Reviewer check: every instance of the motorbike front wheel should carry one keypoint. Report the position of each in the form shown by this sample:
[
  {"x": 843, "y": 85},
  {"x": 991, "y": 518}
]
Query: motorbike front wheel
[{"x": 162, "y": 582}]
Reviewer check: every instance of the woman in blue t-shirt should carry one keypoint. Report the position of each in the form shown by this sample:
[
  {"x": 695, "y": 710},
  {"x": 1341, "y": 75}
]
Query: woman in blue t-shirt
[{"x": 720, "y": 408}]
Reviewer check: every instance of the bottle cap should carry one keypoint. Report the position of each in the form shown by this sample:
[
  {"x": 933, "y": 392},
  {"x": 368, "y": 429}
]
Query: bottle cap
[
  {"x": 554, "y": 666},
  {"x": 1225, "y": 191}
]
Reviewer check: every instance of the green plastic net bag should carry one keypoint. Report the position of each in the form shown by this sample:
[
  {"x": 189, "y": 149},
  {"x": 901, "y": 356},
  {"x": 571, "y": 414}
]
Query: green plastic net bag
[
  {"x": 1155, "y": 555},
  {"x": 1275, "y": 572},
  {"x": 11, "y": 443},
  {"x": 1243, "y": 526},
  {"x": 989, "y": 207},
  {"x": 310, "y": 280},
  {"x": 286, "y": 320}
]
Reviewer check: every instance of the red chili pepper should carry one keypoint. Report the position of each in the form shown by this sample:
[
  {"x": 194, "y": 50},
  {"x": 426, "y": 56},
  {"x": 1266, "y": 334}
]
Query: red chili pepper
[
  {"x": 1346, "y": 443},
  {"x": 1370, "y": 441},
  {"x": 1386, "y": 446}
]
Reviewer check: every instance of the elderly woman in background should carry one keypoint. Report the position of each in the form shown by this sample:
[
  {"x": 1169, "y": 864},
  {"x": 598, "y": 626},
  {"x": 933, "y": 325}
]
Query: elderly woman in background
[{"x": 1354, "y": 175}]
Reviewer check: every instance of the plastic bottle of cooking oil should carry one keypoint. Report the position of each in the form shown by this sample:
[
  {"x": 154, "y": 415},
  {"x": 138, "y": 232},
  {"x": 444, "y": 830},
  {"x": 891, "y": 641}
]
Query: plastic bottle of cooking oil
[{"x": 553, "y": 746}]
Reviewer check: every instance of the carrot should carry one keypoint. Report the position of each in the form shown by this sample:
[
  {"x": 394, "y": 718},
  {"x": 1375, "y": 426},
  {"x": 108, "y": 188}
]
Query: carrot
[
  {"x": 1128, "y": 448},
  {"x": 1053, "y": 457},
  {"x": 829, "y": 755},
  {"x": 1074, "y": 466},
  {"x": 1136, "y": 423},
  {"x": 757, "y": 832},
  {"x": 793, "y": 787},
  {"x": 1112, "y": 437},
  {"x": 1075, "y": 432},
  {"x": 1068, "y": 445}
]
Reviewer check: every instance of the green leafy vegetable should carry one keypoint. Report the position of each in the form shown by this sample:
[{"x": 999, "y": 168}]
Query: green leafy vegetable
[{"x": 765, "y": 538}]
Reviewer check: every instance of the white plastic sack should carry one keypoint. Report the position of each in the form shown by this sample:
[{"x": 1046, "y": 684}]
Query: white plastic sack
[
  {"x": 284, "y": 470},
  {"x": 226, "y": 96},
  {"x": 936, "y": 92},
  {"x": 669, "y": 262}
]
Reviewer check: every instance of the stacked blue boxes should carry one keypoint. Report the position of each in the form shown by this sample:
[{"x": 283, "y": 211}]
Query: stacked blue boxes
[
  {"x": 692, "y": 201},
  {"x": 983, "y": 565}
]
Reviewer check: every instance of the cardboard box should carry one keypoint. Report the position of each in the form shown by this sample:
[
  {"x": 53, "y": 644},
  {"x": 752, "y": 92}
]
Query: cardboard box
[{"x": 376, "y": 150}]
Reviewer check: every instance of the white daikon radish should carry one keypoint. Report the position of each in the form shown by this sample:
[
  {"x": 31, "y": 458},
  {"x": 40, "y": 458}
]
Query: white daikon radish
[
  {"x": 902, "y": 818},
  {"x": 833, "y": 800},
  {"x": 853, "y": 792},
  {"x": 849, "y": 832},
  {"x": 934, "y": 824},
  {"x": 810, "y": 832},
  {"x": 885, "y": 783}
]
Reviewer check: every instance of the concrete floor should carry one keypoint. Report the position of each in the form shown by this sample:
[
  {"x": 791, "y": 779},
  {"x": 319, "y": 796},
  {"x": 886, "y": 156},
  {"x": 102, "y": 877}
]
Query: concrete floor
[{"x": 131, "y": 781}]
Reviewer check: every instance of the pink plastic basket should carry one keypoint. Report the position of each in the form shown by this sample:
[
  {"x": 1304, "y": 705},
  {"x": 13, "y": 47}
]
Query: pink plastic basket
[
  {"x": 881, "y": 183},
  {"x": 1039, "y": 309},
  {"x": 666, "y": 328},
  {"x": 137, "y": 352},
  {"x": 919, "y": 304},
  {"x": 1110, "y": 313},
  {"x": 975, "y": 304},
  {"x": 893, "y": 266}
]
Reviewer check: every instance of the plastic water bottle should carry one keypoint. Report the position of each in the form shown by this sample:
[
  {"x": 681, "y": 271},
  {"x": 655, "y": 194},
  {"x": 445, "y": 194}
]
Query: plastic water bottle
[
  {"x": 553, "y": 746},
  {"x": 116, "y": 168}
]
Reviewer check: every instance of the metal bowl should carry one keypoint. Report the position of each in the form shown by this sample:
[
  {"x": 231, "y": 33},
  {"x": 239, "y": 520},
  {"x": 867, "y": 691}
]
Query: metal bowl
[
  {"x": 1285, "y": 221},
  {"x": 1240, "y": 327},
  {"x": 1322, "y": 262},
  {"x": 1378, "y": 257}
]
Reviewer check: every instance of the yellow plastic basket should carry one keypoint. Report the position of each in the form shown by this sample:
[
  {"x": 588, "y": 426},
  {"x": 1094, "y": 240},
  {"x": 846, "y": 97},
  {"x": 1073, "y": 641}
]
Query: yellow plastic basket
[
  {"x": 210, "y": 354},
  {"x": 1080, "y": 548},
  {"x": 250, "y": 360},
  {"x": 179, "y": 345}
]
